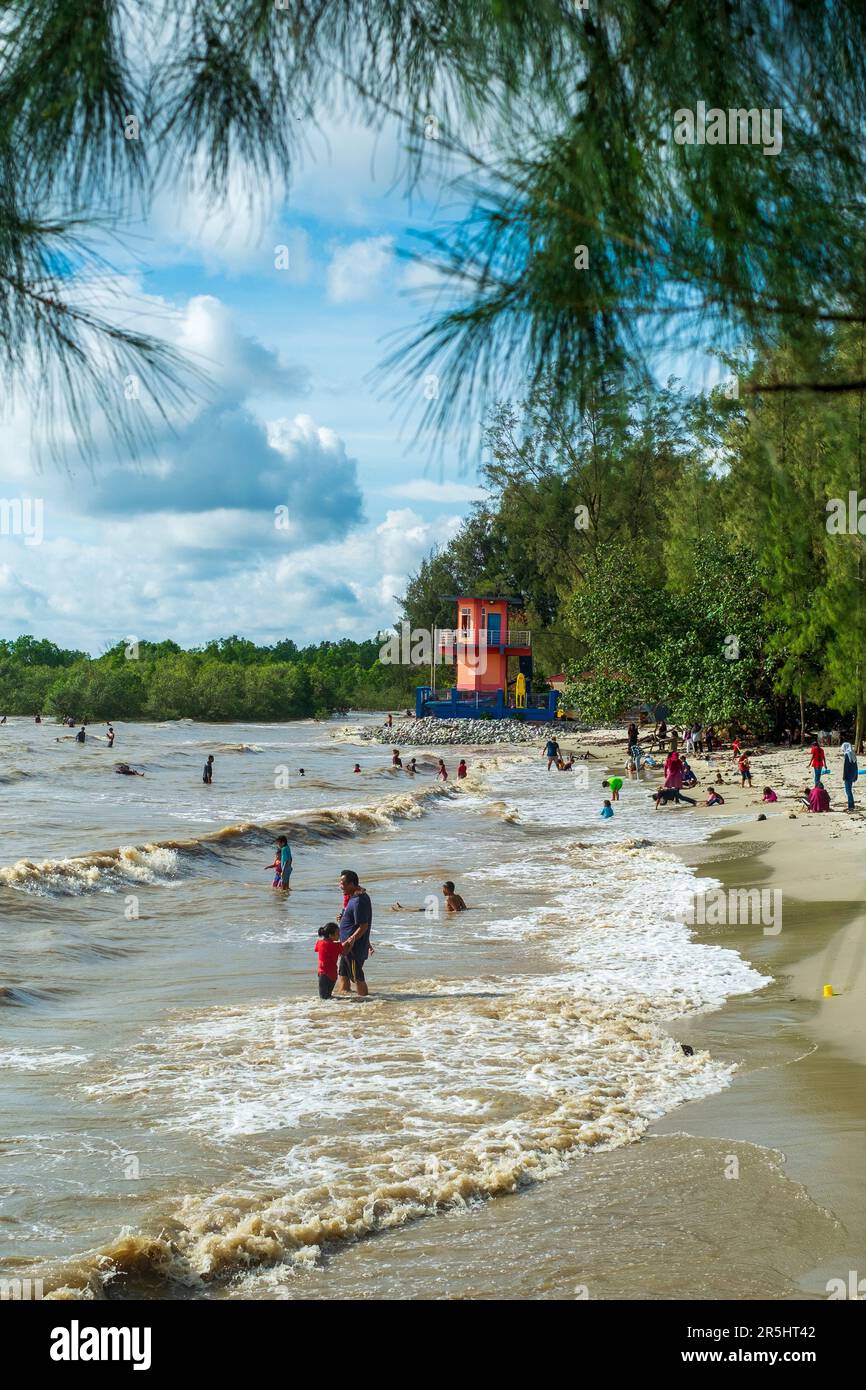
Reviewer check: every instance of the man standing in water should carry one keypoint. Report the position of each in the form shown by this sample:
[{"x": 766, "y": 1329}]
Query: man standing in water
[
  {"x": 207, "y": 775},
  {"x": 552, "y": 753},
  {"x": 356, "y": 920}
]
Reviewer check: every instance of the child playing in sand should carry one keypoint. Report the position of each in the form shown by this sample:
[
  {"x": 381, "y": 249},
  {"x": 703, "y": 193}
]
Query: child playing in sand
[
  {"x": 329, "y": 950},
  {"x": 745, "y": 770},
  {"x": 713, "y": 798},
  {"x": 769, "y": 795},
  {"x": 614, "y": 783},
  {"x": 607, "y": 810},
  {"x": 631, "y": 768}
]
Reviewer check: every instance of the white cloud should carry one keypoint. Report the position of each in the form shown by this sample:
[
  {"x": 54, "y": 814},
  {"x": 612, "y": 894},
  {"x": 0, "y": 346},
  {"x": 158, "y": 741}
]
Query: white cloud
[{"x": 356, "y": 271}]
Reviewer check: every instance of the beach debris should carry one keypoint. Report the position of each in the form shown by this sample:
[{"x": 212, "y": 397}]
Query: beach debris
[
  {"x": 762, "y": 816},
  {"x": 687, "y": 1049}
]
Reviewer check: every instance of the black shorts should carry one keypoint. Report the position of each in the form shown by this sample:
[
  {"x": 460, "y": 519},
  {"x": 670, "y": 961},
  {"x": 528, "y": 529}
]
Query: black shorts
[
  {"x": 351, "y": 969},
  {"x": 326, "y": 986}
]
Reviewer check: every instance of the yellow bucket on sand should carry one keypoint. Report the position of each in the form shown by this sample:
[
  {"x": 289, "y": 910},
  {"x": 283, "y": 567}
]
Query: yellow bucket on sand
[{"x": 828, "y": 991}]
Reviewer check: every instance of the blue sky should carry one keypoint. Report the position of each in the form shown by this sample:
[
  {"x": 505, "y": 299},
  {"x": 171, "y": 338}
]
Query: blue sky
[
  {"x": 185, "y": 542},
  {"x": 289, "y": 303}
]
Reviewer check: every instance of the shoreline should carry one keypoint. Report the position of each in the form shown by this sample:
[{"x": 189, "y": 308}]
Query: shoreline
[{"x": 798, "y": 1087}]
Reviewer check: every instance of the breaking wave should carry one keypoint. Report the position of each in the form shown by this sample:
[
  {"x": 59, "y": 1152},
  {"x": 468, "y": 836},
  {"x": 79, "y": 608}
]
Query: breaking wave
[{"x": 107, "y": 871}]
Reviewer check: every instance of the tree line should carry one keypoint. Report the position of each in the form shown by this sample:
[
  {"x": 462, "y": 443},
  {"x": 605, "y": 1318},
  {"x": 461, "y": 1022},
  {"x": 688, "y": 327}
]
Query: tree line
[
  {"x": 228, "y": 679},
  {"x": 699, "y": 551}
]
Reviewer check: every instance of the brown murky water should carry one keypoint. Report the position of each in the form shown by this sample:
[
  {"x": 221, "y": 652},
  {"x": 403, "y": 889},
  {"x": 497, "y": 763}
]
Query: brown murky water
[{"x": 183, "y": 1117}]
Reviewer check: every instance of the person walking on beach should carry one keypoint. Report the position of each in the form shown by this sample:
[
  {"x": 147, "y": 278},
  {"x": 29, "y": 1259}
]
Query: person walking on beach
[
  {"x": 442, "y": 772},
  {"x": 673, "y": 770},
  {"x": 745, "y": 770},
  {"x": 552, "y": 753},
  {"x": 817, "y": 762},
  {"x": 356, "y": 919},
  {"x": 632, "y": 735},
  {"x": 329, "y": 950},
  {"x": 850, "y": 773},
  {"x": 461, "y": 769}
]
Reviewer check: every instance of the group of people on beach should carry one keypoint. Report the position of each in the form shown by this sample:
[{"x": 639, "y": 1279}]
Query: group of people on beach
[{"x": 696, "y": 738}]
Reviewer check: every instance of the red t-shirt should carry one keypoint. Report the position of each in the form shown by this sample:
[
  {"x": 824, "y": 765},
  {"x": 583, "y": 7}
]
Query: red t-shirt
[
  {"x": 329, "y": 953},
  {"x": 817, "y": 759}
]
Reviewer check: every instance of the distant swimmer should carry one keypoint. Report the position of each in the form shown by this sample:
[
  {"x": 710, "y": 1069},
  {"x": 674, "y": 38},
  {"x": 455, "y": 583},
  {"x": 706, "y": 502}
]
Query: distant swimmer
[
  {"x": 607, "y": 810},
  {"x": 552, "y": 753},
  {"x": 461, "y": 768},
  {"x": 126, "y": 771},
  {"x": 3, "y": 720},
  {"x": 38, "y": 719},
  {"x": 411, "y": 768},
  {"x": 81, "y": 735},
  {"x": 453, "y": 900},
  {"x": 442, "y": 771},
  {"x": 395, "y": 758},
  {"x": 207, "y": 773},
  {"x": 563, "y": 766},
  {"x": 301, "y": 772},
  {"x": 110, "y": 736},
  {"x": 357, "y": 767}
]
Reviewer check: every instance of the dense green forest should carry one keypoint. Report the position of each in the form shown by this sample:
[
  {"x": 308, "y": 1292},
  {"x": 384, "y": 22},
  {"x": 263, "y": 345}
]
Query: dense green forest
[
  {"x": 703, "y": 551},
  {"x": 227, "y": 679}
]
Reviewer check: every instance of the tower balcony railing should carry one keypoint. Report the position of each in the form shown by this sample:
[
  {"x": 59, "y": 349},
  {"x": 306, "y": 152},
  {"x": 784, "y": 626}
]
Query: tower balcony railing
[{"x": 450, "y": 638}]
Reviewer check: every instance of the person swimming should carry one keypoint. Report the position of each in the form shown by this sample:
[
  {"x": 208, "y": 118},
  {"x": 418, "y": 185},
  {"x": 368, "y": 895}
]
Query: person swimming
[
  {"x": 453, "y": 900},
  {"x": 126, "y": 771},
  {"x": 357, "y": 767}
]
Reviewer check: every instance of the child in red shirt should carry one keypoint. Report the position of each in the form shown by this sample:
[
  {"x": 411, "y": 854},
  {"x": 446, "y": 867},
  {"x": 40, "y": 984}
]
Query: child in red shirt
[{"x": 329, "y": 949}]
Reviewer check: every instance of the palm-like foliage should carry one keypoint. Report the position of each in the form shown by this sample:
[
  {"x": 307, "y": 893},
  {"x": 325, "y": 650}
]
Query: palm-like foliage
[{"x": 563, "y": 113}]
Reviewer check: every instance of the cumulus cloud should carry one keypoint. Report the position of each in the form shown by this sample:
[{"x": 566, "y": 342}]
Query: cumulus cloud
[{"x": 356, "y": 271}]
